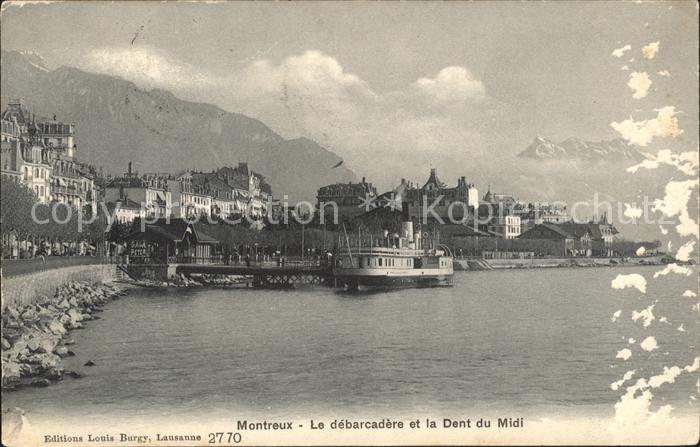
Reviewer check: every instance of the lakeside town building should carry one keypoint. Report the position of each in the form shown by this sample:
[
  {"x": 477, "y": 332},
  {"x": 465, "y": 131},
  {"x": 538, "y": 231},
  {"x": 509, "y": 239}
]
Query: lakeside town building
[
  {"x": 41, "y": 154},
  {"x": 125, "y": 210},
  {"x": 189, "y": 198},
  {"x": 236, "y": 191},
  {"x": 149, "y": 192},
  {"x": 348, "y": 197},
  {"x": 499, "y": 215},
  {"x": 593, "y": 238},
  {"x": 395, "y": 197},
  {"x": 222, "y": 193},
  {"x": 453, "y": 203}
]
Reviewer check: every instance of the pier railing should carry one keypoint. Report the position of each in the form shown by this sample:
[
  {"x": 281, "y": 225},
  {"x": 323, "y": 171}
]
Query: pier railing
[{"x": 222, "y": 260}]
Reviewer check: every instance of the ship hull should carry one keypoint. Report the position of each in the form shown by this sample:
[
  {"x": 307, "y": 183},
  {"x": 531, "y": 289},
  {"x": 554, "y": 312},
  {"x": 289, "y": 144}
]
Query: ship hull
[{"x": 351, "y": 279}]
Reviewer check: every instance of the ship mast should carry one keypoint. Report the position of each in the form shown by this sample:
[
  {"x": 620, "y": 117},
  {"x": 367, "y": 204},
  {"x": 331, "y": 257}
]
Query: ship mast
[{"x": 347, "y": 240}]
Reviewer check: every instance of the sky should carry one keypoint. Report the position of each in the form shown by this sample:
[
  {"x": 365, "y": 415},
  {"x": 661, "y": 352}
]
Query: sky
[{"x": 394, "y": 88}]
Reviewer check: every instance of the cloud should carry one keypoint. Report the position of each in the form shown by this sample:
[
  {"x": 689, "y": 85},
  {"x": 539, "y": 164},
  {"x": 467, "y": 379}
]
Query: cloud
[
  {"x": 640, "y": 251},
  {"x": 616, "y": 315},
  {"x": 311, "y": 94},
  {"x": 663, "y": 73},
  {"x": 633, "y": 280},
  {"x": 312, "y": 74},
  {"x": 686, "y": 162},
  {"x": 625, "y": 68},
  {"x": 643, "y": 132},
  {"x": 452, "y": 84},
  {"x": 640, "y": 83},
  {"x": 689, "y": 294},
  {"x": 632, "y": 211},
  {"x": 649, "y": 51},
  {"x": 649, "y": 344},
  {"x": 619, "y": 52},
  {"x": 144, "y": 65}
]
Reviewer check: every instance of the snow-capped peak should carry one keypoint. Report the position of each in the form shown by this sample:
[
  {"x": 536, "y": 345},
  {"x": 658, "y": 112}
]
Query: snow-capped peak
[{"x": 573, "y": 148}]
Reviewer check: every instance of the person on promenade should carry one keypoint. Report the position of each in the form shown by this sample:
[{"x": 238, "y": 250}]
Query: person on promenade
[{"x": 42, "y": 254}]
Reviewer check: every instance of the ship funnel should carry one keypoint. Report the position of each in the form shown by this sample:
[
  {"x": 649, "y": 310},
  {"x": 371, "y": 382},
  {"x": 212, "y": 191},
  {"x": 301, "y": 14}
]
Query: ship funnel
[
  {"x": 407, "y": 230},
  {"x": 416, "y": 240}
]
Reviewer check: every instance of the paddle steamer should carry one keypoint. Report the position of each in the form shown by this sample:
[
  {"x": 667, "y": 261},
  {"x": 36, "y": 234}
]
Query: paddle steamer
[{"x": 392, "y": 260}]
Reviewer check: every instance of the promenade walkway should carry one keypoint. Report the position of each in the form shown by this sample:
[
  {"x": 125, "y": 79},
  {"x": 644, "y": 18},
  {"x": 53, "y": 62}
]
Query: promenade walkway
[{"x": 16, "y": 267}]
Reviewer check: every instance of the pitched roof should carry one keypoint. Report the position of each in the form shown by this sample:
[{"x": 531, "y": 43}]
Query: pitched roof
[
  {"x": 169, "y": 229},
  {"x": 126, "y": 182},
  {"x": 433, "y": 179},
  {"x": 577, "y": 230},
  {"x": 469, "y": 231},
  {"x": 556, "y": 231}
]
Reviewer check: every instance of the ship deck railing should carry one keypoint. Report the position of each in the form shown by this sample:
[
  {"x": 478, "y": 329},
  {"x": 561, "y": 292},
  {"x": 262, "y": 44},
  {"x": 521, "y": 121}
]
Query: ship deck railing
[{"x": 375, "y": 251}]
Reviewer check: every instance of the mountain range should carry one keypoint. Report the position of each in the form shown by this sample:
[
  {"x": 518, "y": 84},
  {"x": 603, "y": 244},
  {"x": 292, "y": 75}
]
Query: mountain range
[
  {"x": 575, "y": 149},
  {"x": 118, "y": 122}
]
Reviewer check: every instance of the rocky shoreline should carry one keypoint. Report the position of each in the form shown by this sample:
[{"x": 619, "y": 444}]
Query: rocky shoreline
[
  {"x": 179, "y": 281},
  {"x": 35, "y": 337}
]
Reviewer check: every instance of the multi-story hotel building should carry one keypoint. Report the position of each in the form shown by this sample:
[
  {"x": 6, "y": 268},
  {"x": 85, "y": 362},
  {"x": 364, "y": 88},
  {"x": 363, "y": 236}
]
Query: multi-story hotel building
[
  {"x": 448, "y": 203},
  {"x": 150, "y": 192},
  {"x": 42, "y": 155}
]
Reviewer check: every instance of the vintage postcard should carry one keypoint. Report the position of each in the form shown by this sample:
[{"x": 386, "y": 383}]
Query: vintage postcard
[{"x": 349, "y": 223}]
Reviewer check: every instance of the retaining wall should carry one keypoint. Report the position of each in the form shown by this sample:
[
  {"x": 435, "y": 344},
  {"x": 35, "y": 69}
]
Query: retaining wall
[{"x": 25, "y": 289}]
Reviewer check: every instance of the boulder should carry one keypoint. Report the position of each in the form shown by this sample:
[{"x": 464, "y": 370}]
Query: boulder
[
  {"x": 45, "y": 312},
  {"x": 11, "y": 372},
  {"x": 49, "y": 361},
  {"x": 33, "y": 344},
  {"x": 56, "y": 327},
  {"x": 40, "y": 383},
  {"x": 42, "y": 343},
  {"x": 30, "y": 316},
  {"x": 73, "y": 374},
  {"x": 12, "y": 312},
  {"x": 54, "y": 373},
  {"x": 28, "y": 370},
  {"x": 61, "y": 351},
  {"x": 75, "y": 317}
]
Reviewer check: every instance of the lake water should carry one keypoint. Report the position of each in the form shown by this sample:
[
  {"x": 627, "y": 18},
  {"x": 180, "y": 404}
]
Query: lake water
[{"x": 538, "y": 342}]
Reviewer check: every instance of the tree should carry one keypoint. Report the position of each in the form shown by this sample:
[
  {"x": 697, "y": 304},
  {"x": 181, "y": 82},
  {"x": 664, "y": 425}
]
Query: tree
[{"x": 15, "y": 208}]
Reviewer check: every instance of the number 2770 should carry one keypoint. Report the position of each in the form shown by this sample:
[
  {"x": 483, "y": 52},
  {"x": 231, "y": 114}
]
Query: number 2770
[{"x": 224, "y": 437}]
